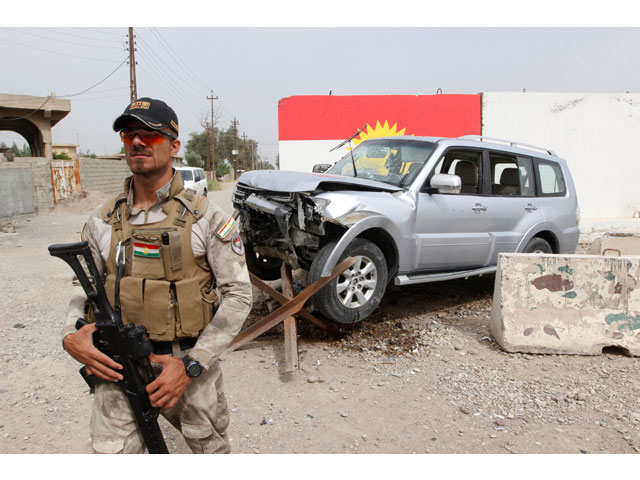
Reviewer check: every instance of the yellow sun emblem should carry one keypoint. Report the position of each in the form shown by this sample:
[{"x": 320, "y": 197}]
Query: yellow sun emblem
[{"x": 379, "y": 131}]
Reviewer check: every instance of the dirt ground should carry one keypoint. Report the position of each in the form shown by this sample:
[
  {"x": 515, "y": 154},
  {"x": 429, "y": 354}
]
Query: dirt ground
[{"x": 421, "y": 375}]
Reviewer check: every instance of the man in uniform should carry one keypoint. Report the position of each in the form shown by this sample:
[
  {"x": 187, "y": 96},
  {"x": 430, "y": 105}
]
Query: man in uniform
[{"x": 185, "y": 280}]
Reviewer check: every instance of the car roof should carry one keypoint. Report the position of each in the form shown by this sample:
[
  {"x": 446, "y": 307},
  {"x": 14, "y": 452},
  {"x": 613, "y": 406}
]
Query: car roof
[{"x": 482, "y": 142}]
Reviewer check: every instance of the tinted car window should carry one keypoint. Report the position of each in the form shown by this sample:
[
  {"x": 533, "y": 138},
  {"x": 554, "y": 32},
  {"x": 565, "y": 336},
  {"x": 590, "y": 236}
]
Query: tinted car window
[
  {"x": 551, "y": 179},
  {"x": 186, "y": 175},
  {"x": 467, "y": 164},
  {"x": 510, "y": 175}
]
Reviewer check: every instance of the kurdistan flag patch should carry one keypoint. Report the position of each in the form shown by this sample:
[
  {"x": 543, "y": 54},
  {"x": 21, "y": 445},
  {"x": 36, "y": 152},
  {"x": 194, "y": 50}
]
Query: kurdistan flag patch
[
  {"x": 226, "y": 228},
  {"x": 146, "y": 250}
]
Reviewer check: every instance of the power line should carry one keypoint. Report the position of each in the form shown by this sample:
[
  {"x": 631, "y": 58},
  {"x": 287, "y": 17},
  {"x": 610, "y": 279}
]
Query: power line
[
  {"x": 174, "y": 54},
  {"x": 156, "y": 32},
  {"x": 198, "y": 91},
  {"x": 27, "y": 116},
  {"x": 101, "y": 81},
  {"x": 98, "y": 31},
  {"x": 158, "y": 71},
  {"x": 175, "y": 89},
  {"x": 58, "y": 53},
  {"x": 56, "y": 40},
  {"x": 81, "y": 36},
  {"x": 174, "y": 94},
  {"x": 100, "y": 98}
]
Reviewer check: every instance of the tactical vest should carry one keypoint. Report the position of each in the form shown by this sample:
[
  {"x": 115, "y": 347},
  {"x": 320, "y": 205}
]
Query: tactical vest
[{"x": 165, "y": 287}]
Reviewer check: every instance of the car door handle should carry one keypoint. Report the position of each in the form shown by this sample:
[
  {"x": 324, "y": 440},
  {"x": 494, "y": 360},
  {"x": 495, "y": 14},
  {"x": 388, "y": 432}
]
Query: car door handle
[
  {"x": 479, "y": 208},
  {"x": 530, "y": 208}
]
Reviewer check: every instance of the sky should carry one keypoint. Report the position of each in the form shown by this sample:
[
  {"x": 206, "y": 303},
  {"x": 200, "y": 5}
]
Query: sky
[{"x": 273, "y": 53}]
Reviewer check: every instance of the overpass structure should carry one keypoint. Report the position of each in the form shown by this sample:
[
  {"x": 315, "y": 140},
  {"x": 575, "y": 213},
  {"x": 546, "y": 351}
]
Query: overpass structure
[{"x": 33, "y": 118}]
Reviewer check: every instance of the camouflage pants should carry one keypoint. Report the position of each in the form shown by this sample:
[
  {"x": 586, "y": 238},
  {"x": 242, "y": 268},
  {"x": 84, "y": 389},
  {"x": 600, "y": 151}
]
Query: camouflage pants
[{"x": 201, "y": 415}]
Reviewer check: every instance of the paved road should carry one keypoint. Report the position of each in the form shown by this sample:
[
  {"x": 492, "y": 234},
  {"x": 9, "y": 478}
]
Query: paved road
[{"x": 223, "y": 197}]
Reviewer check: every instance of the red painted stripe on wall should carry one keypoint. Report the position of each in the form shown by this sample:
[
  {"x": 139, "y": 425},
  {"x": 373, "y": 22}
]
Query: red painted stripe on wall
[{"x": 329, "y": 117}]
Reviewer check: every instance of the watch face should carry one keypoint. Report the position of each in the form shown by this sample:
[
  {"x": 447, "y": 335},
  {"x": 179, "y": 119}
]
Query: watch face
[{"x": 194, "y": 369}]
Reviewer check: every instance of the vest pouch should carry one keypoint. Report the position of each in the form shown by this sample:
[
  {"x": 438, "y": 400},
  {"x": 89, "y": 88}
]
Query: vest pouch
[
  {"x": 147, "y": 254},
  {"x": 191, "y": 312},
  {"x": 157, "y": 313},
  {"x": 172, "y": 255},
  {"x": 131, "y": 297}
]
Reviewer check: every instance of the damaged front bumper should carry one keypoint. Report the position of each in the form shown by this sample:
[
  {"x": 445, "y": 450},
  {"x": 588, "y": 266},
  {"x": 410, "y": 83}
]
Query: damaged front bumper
[{"x": 288, "y": 226}]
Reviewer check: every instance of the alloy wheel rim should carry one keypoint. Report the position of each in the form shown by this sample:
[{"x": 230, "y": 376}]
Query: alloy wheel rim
[{"x": 355, "y": 286}]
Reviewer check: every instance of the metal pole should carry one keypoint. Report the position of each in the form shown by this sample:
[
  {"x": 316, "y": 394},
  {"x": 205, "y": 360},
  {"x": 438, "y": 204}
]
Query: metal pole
[
  {"x": 212, "y": 165},
  {"x": 132, "y": 66}
]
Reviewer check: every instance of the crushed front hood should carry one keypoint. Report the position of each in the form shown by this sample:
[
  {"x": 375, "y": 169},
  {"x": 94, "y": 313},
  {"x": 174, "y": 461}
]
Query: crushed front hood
[{"x": 286, "y": 181}]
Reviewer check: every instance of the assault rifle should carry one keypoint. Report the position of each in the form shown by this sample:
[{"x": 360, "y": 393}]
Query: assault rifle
[{"x": 128, "y": 345}]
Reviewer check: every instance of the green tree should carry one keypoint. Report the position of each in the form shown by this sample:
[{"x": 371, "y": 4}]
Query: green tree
[
  {"x": 87, "y": 154},
  {"x": 61, "y": 156},
  {"x": 264, "y": 165},
  {"x": 199, "y": 143},
  {"x": 222, "y": 169}
]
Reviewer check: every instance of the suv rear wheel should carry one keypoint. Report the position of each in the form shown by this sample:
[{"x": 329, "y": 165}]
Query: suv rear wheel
[
  {"x": 356, "y": 292},
  {"x": 537, "y": 245}
]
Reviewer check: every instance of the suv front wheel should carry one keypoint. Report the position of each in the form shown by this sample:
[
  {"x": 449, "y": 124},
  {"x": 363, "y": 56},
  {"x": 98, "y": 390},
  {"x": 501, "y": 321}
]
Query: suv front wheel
[{"x": 356, "y": 292}]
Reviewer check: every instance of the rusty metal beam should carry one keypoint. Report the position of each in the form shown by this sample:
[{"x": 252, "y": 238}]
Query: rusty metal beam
[
  {"x": 282, "y": 299},
  {"x": 290, "y": 327},
  {"x": 289, "y": 308}
]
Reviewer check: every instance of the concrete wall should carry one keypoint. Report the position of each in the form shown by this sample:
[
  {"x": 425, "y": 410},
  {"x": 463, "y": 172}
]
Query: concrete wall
[
  {"x": 102, "y": 175},
  {"x": 16, "y": 192},
  {"x": 597, "y": 133},
  {"x": 41, "y": 189}
]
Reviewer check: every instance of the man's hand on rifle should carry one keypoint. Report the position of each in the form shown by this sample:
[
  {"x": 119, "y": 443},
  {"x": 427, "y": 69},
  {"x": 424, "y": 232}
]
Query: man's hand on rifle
[
  {"x": 80, "y": 346},
  {"x": 168, "y": 387}
]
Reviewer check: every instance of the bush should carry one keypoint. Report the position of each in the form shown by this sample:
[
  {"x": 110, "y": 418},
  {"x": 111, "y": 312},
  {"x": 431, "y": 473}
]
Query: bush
[
  {"x": 213, "y": 185},
  {"x": 61, "y": 156}
]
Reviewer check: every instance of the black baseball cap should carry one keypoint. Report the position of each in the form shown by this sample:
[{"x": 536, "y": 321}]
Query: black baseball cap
[{"x": 153, "y": 113}]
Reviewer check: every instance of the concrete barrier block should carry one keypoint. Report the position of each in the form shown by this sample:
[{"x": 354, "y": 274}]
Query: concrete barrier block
[
  {"x": 575, "y": 304},
  {"x": 616, "y": 244}
]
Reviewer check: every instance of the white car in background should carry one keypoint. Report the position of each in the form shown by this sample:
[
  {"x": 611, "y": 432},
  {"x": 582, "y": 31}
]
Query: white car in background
[{"x": 194, "y": 179}]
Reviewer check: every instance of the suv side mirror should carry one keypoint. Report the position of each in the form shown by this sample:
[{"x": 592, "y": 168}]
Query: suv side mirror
[
  {"x": 321, "y": 167},
  {"x": 446, "y": 183}
]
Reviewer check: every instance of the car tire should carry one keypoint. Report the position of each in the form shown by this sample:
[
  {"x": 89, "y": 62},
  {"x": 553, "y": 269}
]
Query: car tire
[
  {"x": 336, "y": 300},
  {"x": 265, "y": 268},
  {"x": 537, "y": 245}
]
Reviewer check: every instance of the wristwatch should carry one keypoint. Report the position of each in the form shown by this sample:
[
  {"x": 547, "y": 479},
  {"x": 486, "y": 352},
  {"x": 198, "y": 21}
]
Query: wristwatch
[{"x": 193, "y": 367}]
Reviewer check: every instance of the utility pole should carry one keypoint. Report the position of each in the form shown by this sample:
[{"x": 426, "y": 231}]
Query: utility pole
[
  {"x": 244, "y": 147},
  {"x": 206, "y": 126},
  {"x": 212, "y": 165},
  {"x": 132, "y": 66},
  {"x": 234, "y": 152}
]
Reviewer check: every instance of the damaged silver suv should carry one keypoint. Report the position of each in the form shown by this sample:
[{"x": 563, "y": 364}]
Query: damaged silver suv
[{"x": 409, "y": 209}]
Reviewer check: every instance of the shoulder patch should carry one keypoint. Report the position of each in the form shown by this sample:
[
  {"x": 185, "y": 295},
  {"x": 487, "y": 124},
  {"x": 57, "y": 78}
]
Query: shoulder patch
[
  {"x": 236, "y": 244},
  {"x": 225, "y": 228}
]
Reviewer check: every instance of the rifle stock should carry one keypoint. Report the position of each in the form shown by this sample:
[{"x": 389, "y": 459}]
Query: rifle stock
[{"x": 127, "y": 344}]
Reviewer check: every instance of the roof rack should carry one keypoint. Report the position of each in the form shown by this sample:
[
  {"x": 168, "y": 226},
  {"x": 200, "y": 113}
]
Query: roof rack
[{"x": 511, "y": 143}]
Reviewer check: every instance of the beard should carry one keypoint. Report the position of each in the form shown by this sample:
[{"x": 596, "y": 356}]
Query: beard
[{"x": 142, "y": 165}]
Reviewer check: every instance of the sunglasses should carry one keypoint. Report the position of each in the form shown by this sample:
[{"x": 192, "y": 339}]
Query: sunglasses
[{"x": 150, "y": 137}]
